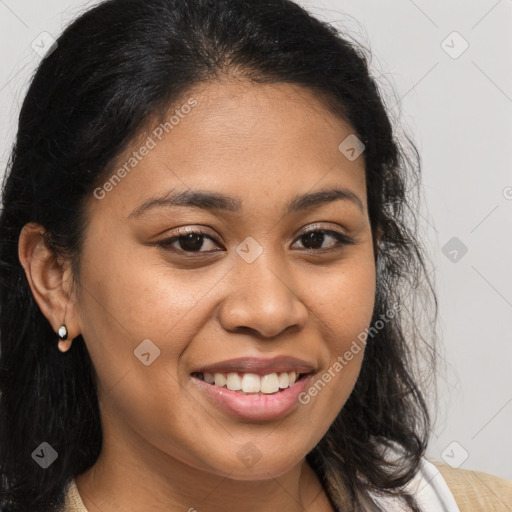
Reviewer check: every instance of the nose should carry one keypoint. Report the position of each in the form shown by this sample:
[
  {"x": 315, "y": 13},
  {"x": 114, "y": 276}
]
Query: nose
[{"x": 262, "y": 299}]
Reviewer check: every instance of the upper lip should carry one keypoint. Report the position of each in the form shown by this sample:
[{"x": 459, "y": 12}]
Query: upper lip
[{"x": 258, "y": 365}]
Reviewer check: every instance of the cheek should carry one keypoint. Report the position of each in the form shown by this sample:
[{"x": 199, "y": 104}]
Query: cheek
[
  {"x": 344, "y": 301},
  {"x": 127, "y": 301},
  {"x": 131, "y": 303},
  {"x": 343, "y": 307}
]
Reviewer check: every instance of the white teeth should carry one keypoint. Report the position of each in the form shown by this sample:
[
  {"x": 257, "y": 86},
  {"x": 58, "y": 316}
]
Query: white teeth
[
  {"x": 270, "y": 383},
  {"x": 284, "y": 380},
  {"x": 233, "y": 382},
  {"x": 220, "y": 379},
  {"x": 208, "y": 377},
  {"x": 252, "y": 382}
]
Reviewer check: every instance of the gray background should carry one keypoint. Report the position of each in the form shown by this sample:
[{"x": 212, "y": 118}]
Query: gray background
[{"x": 458, "y": 107}]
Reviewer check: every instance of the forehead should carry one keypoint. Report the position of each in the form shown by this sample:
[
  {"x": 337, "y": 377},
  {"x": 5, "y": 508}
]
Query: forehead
[
  {"x": 286, "y": 118},
  {"x": 243, "y": 139}
]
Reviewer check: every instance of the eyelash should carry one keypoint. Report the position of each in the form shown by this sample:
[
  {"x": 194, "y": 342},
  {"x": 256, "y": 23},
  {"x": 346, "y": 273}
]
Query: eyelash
[{"x": 341, "y": 240}]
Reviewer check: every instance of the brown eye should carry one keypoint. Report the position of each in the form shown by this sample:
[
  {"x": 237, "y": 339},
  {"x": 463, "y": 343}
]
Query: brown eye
[
  {"x": 314, "y": 239},
  {"x": 191, "y": 241}
]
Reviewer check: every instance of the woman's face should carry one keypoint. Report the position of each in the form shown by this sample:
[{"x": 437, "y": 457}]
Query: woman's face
[{"x": 251, "y": 285}]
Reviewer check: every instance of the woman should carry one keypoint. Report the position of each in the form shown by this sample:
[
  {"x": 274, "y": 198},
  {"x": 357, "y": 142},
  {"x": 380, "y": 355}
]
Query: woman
[{"x": 206, "y": 251}]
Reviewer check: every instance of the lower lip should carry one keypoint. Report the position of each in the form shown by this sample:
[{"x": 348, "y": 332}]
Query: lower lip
[{"x": 255, "y": 407}]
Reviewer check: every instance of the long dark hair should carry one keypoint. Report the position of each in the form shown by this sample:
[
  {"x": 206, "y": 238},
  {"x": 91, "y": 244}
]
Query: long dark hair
[{"x": 114, "y": 67}]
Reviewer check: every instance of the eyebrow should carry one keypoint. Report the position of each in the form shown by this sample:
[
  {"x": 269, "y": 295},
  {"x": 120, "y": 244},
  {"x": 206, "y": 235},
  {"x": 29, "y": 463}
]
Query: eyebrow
[{"x": 216, "y": 201}]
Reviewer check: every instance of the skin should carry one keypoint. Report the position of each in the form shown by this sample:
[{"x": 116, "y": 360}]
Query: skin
[{"x": 164, "y": 442}]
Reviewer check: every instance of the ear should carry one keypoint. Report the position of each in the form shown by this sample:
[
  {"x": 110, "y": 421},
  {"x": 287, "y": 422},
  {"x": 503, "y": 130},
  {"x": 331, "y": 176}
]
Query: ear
[{"x": 50, "y": 280}]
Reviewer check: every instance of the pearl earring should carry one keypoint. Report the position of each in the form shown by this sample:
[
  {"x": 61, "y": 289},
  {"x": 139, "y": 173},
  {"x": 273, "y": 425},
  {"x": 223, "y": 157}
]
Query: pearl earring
[{"x": 63, "y": 332}]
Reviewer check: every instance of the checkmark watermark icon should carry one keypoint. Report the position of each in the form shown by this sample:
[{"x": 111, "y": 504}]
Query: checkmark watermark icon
[{"x": 44, "y": 44}]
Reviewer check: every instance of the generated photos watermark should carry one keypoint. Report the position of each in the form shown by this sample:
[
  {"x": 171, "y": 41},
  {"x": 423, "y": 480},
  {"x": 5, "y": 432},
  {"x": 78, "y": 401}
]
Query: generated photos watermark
[
  {"x": 343, "y": 360},
  {"x": 151, "y": 142}
]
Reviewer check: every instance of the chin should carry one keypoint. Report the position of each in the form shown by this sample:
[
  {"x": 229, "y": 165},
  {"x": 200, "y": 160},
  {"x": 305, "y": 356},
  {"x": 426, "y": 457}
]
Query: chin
[{"x": 260, "y": 470}]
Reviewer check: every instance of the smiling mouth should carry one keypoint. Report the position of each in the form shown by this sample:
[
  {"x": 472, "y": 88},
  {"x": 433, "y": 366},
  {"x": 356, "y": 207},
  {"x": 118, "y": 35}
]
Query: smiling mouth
[{"x": 251, "y": 383}]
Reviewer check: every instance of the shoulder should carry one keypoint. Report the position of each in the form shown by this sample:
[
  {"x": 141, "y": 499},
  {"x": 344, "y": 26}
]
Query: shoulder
[{"x": 475, "y": 491}]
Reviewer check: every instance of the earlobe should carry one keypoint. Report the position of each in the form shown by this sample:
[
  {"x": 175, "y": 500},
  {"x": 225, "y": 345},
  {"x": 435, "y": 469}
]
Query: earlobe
[{"x": 49, "y": 281}]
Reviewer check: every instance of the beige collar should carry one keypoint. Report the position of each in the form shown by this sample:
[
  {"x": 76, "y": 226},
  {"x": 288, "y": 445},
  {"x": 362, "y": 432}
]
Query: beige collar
[{"x": 73, "y": 501}]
